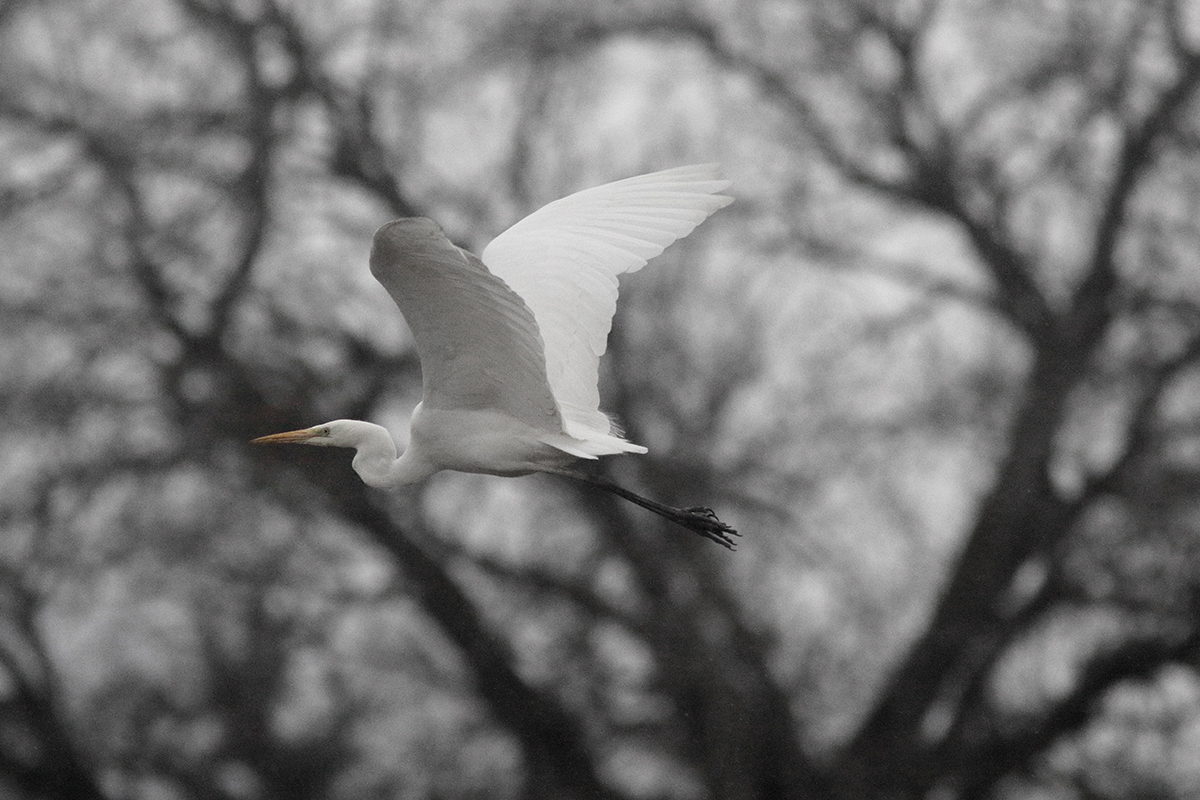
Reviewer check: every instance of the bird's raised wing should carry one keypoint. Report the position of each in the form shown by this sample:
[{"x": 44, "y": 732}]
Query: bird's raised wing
[
  {"x": 478, "y": 341},
  {"x": 564, "y": 259}
]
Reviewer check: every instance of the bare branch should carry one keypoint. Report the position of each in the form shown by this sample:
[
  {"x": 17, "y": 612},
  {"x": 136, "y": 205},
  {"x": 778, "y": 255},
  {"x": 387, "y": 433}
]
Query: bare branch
[
  {"x": 1140, "y": 429},
  {"x": 358, "y": 152},
  {"x": 553, "y": 743},
  {"x": 836, "y": 257},
  {"x": 1091, "y": 306},
  {"x": 1004, "y": 753},
  {"x": 52, "y": 765},
  {"x": 549, "y": 584}
]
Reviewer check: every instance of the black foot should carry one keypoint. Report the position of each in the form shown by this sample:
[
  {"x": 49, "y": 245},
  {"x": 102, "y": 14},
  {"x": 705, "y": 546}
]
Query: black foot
[{"x": 704, "y": 522}]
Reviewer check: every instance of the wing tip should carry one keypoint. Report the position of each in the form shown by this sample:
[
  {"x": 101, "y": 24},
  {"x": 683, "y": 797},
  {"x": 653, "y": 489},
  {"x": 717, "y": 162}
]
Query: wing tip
[
  {"x": 400, "y": 236},
  {"x": 707, "y": 178},
  {"x": 389, "y": 230}
]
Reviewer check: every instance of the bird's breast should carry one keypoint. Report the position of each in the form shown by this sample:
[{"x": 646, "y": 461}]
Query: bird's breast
[{"x": 485, "y": 441}]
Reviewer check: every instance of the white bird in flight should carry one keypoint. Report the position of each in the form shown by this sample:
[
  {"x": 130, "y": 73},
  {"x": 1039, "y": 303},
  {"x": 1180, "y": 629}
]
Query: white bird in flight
[{"x": 510, "y": 342}]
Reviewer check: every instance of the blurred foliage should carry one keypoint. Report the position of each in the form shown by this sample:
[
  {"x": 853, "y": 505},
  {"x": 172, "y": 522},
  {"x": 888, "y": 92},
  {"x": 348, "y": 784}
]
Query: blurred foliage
[{"x": 938, "y": 362}]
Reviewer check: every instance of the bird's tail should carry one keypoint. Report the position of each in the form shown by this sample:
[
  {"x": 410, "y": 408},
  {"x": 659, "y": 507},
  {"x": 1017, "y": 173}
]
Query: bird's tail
[{"x": 592, "y": 444}]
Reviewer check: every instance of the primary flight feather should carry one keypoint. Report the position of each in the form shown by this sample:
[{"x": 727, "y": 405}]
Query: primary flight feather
[{"x": 510, "y": 342}]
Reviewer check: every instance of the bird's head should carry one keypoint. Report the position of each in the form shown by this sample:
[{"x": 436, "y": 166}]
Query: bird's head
[
  {"x": 339, "y": 433},
  {"x": 375, "y": 460}
]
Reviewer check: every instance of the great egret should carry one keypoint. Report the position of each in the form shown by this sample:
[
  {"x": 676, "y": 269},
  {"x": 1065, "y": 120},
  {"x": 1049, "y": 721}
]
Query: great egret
[{"x": 510, "y": 343}]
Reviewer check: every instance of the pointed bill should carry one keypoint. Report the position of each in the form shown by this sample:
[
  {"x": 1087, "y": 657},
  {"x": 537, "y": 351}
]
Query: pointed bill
[{"x": 289, "y": 437}]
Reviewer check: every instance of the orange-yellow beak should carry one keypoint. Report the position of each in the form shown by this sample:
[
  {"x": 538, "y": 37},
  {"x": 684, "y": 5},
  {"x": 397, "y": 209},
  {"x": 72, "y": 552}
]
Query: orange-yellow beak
[{"x": 290, "y": 437}]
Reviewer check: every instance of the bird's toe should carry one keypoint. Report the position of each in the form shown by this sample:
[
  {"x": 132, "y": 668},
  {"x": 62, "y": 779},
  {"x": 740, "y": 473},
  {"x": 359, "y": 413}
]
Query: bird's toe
[{"x": 704, "y": 521}]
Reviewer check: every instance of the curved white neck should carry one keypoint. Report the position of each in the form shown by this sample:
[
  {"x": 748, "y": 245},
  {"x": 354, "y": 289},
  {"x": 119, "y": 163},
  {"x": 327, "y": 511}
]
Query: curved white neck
[{"x": 376, "y": 463}]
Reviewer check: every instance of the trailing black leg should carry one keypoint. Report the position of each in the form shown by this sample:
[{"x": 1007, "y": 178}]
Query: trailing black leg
[{"x": 695, "y": 518}]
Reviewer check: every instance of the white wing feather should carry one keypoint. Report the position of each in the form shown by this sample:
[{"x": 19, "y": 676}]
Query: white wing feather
[
  {"x": 564, "y": 259},
  {"x": 478, "y": 341}
]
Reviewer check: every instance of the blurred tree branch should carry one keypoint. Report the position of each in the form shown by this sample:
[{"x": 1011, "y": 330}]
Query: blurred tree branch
[
  {"x": 556, "y": 753},
  {"x": 47, "y": 762},
  {"x": 985, "y": 763}
]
